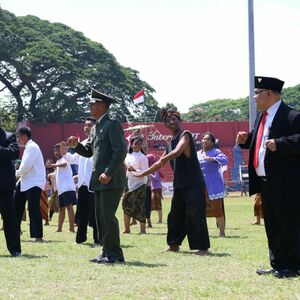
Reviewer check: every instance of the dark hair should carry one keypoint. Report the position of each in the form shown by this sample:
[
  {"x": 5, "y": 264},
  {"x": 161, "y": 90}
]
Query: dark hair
[
  {"x": 212, "y": 138},
  {"x": 132, "y": 140},
  {"x": 92, "y": 119},
  {"x": 169, "y": 112},
  {"x": 57, "y": 145},
  {"x": 24, "y": 131}
]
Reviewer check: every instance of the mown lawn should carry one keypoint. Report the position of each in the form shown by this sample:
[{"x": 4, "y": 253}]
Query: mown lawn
[{"x": 60, "y": 269}]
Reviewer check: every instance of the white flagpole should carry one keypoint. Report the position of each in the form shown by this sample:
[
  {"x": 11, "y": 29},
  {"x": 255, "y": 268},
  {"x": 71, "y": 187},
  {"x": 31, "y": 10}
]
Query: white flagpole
[{"x": 252, "y": 108}]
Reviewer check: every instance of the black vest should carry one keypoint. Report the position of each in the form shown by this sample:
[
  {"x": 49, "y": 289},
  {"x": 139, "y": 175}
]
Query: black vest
[{"x": 187, "y": 171}]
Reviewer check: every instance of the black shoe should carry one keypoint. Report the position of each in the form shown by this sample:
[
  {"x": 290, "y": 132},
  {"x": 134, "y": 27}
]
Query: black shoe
[
  {"x": 285, "y": 274},
  {"x": 111, "y": 260},
  {"x": 96, "y": 260},
  {"x": 16, "y": 254},
  {"x": 265, "y": 271}
]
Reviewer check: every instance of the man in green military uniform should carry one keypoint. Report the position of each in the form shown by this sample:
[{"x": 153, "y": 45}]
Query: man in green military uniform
[{"x": 106, "y": 144}]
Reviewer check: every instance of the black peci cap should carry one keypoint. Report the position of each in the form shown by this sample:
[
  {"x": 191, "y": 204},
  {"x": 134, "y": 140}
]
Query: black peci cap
[{"x": 268, "y": 83}]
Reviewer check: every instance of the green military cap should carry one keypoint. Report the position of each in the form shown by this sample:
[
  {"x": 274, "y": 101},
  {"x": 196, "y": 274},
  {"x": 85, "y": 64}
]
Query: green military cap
[{"x": 98, "y": 96}]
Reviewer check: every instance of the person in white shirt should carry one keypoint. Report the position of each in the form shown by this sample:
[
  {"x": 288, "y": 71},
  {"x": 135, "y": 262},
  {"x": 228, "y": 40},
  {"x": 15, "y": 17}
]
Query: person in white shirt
[
  {"x": 66, "y": 189},
  {"x": 133, "y": 201},
  {"x": 86, "y": 201},
  {"x": 32, "y": 180}
]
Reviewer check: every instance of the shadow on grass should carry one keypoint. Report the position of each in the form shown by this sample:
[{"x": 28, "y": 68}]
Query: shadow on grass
[
  {"x": 127, "y": 246},
  {"x": 44, "y": 242},
  {"x": 209, "y": 254},
  {"x": 229, "y": 237},
  {"x": 27, "y": 256},
  {"x": 156, "y": 233},
  {"x": 92, "y": 244},
  {"x": 143, "y": 264},
  {"x": 218, "y": 254}
]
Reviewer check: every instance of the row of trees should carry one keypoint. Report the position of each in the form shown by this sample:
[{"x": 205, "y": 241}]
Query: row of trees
[
  {"x": 47, "y": 71},
  {"x": 234, "y": 110}
]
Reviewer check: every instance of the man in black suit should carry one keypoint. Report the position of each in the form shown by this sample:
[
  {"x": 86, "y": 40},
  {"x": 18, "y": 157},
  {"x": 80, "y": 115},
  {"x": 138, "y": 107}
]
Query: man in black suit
[
  {"x": 274, "y": 171},
  {"x": 8, "y": 152}
]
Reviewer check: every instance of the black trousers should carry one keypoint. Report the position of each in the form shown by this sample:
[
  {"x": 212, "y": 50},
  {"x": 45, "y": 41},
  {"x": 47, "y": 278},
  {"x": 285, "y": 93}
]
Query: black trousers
[
  {"x": 33, "y": 196},
  {"x": 282, "y": 225},
  {"x": 86, "y": 216},
  {"x": 7, "y": 210},
  {"x": 187, "y": 218}
]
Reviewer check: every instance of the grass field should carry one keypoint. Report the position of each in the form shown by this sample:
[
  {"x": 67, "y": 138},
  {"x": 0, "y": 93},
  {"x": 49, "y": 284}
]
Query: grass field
[{"x": 60, "y": 269}]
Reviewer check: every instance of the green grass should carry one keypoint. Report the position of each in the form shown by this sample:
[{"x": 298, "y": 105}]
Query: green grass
[{"x": 60, "y": 269}]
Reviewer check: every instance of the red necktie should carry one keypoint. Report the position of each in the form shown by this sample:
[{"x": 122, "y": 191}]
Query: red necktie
[{"x": 259, "y": 138}]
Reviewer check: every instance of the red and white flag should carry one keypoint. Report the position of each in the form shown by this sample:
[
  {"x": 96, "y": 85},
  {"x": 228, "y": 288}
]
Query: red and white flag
[{"x": 139, "y": 97}]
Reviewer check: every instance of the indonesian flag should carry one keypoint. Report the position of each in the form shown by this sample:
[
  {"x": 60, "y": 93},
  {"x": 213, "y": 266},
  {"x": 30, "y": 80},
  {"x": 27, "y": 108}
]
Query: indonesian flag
[{"x": 139, "y": 97}]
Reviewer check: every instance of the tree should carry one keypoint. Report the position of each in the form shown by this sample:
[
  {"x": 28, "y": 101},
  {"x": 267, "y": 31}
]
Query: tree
[
  {"x": 219, "y": 110},
  {"x": 291, "y": 96},
  {"x": 48, "y": 69},
  {"x": 8, "y": 115},
  {"x": 234, "y": 109}
]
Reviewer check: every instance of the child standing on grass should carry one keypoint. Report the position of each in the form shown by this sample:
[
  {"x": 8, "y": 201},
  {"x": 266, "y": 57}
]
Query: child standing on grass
[
  {"x": 156, "y": 188},
  {"x": 66, "y": 189}
]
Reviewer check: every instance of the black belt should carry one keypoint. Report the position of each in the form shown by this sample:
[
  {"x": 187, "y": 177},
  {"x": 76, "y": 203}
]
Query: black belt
[{"x": 263, "y": 178}]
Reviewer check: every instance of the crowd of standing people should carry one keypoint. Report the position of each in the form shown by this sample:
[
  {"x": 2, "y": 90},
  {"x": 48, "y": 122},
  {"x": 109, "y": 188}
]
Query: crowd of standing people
[{"x": 109, "y": 173}]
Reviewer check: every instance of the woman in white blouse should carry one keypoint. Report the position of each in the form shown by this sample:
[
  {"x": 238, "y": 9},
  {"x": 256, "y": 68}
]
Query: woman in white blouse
[{"x": 133, "y": 201}]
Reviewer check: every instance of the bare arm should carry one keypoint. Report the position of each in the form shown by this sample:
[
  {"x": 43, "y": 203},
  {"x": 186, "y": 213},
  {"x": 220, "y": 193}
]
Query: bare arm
[
  {"x": 182, "y": 146},
  {"x": 62, "y": 165}
]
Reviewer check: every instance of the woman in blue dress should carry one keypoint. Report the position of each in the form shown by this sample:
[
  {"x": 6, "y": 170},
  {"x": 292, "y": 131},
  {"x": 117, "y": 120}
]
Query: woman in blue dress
[{"x": 211, "y": 160}]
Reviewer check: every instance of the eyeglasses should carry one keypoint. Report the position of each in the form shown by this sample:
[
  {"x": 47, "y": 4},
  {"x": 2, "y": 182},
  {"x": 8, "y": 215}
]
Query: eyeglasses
[{"x": 258, "y": 92}]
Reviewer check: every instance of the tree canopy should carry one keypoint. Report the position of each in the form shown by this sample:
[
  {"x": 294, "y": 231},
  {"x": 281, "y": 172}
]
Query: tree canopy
[
  {"x": 48, "y": 69},
  {"x": 234, "y": 110}
]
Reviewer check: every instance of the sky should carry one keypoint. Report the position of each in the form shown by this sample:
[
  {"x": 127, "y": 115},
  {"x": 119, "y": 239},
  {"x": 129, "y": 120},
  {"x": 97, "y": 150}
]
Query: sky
[{"x": 189, "y": 51}]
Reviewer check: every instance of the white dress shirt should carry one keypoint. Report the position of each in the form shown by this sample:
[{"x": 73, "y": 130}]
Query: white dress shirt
[
  {"x": 32, "y": 171},
  {"x": 85, "y": 166},
  {"x": 64, "y": 177},
  {"x": 260, "y": 170}
]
